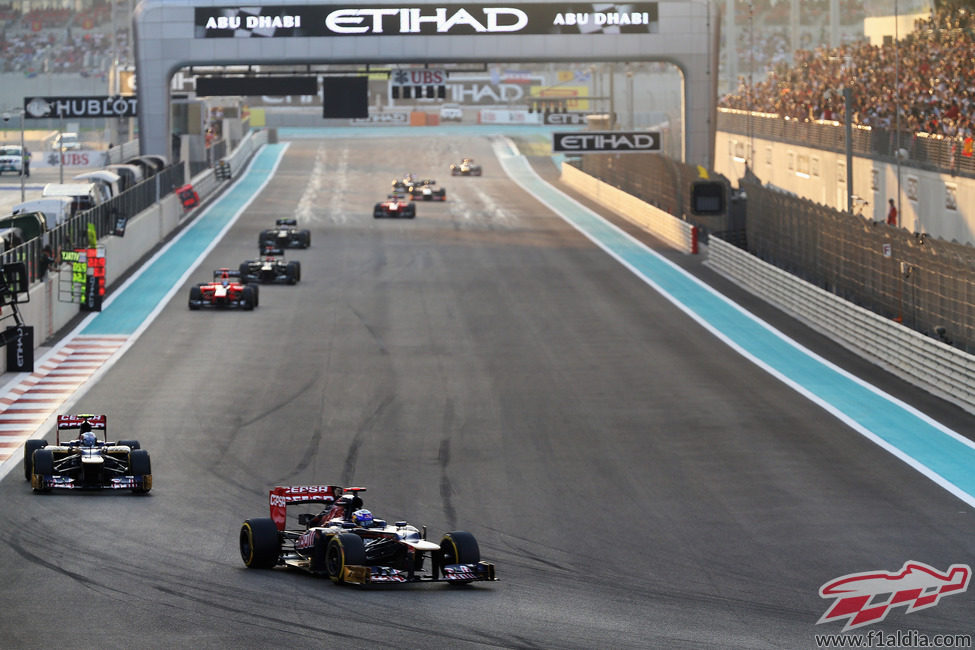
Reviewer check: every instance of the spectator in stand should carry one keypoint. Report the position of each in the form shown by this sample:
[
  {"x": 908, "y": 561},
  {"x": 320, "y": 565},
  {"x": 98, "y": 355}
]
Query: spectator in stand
[{"x": 929, "y": 77}]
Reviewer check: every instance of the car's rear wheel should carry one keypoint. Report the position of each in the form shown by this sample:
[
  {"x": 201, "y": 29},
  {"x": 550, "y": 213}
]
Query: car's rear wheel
[
  {"x": 292, "y": 272},
  {"x": 29, "y": 448},
  {"x": 344, "y": 549},
  {"x": 43, "y": 466},
  {"x": 377, "y": 211},
  {"x": 257, "y": 293},
  {"x": 260, "y": 543},
  {"x": 409, "y": 211},
  {"x": 141, "y": 468},
  {"x": 305, "y": 237},
  {"x": 196, "y": 297},
  {"x": 247, "y": 299}
]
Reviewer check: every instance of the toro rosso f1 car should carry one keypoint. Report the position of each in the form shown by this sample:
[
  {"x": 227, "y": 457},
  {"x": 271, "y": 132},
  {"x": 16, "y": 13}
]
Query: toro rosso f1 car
[
  {"x": 270, "y": 268},
  {"x": 87, "y": 462},
  {"x": 427, "y": 190},
  {"x": 395, "y": 206},
  {"x": 224, "y": 291},
  {"x": 345, "y": 542},
  {"x": 285, "y": 235},
  {"x": 465, "y": 167}
]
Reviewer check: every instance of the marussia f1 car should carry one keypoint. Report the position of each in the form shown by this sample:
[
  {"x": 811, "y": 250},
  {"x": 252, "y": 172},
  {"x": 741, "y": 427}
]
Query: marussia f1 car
[
  {"x": 87, "y": 462},
  {"x": 285, "y": 235},
  {"x": 426, "y": 190},
  {"x": 270, "y": 268},
  {"x": 465, "y": 167},
  {"x": 348, "y": 545},
  {"x": 224, "y": 291},
  {"x": 395, "y": 206}
]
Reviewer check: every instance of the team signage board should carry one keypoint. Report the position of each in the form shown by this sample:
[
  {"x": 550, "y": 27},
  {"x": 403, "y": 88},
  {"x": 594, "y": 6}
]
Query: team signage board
[
  {"x": 76, "y": 107},
  {"x": 277, "y": 21},
  {"x": 606, "y": 142}
]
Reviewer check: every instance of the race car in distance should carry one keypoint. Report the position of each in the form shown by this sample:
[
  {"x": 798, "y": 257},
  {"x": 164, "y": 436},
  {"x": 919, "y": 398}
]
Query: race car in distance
[
  {"x": 404, "y": 185},
  {"x": 270, "y": 268},
  {"x": 465, "y": 167},
  {"x": 395, "y": 205},
  {"x": 347, "y": 544},
  {"x": 284, "y": 235},
  {"x": 427, "y": 190},
  {"x": 87, "y": 462},
  {"x": 224, "y": 291}
]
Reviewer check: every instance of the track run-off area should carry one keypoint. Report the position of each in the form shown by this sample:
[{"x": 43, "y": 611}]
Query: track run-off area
[{"x": 643, "y": 459}]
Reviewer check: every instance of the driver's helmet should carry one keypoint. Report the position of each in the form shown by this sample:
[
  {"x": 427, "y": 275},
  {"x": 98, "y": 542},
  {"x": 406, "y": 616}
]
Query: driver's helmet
[
  {"x": 362, "y": 518},
  {"x": 88, "y": 439}
]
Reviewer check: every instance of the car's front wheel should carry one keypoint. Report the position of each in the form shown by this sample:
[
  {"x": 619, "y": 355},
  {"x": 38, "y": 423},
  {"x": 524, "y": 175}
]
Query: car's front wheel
[{"x": 344, "y": 549}]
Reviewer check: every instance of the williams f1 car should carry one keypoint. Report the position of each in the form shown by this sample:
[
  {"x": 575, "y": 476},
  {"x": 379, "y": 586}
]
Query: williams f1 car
[
  {"x": 395, "y": 205},
  {"x": 224, "y": 291},
  {"x": 465, "y": 167},
  {"x": 427, "y": 190},
  {"x": 270, "y": 269},
  {"x": 284, "y": 235},
  {"x": 345, "y": 542},
  {"x": 87, "y": 462}
]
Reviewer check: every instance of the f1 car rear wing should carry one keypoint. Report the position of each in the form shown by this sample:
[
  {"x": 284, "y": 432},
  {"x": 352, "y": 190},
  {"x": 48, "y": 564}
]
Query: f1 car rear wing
[
  {"x": 272, "y": 251},
  {"x": 286, "y": 222},
  {"x": 84, "y": 421},
  {"x": 280, "y": 496},
  {"x": 220, "y": 274}
]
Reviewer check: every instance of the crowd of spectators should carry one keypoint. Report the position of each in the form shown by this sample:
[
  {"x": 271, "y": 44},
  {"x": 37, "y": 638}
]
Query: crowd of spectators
[
  {"x": 929, "y": 73},
  {"x": 59, "y": 41}
]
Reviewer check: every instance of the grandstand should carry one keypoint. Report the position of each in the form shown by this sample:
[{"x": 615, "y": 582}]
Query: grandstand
[{"x": 44, "y": 37}]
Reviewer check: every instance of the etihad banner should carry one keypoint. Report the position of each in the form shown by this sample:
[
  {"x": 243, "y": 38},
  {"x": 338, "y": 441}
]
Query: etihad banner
[{"x": 280, "y": 21}]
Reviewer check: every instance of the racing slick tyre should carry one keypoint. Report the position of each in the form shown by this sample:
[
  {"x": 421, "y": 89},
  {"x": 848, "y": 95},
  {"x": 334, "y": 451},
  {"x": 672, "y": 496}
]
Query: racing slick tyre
[
  {"x": 141, "y": 467},
  {"x": 377, "y": 212},
  {"x": 260, "y": 544},
  {"x": 410, "y": 211},
  {"x": 459, "y": 547},
  {"x": 245, "y": 271},
  {"x": 266, "y": 238},
  {"x": 248, "y": 298},
  {"x": 131, "y": 444},
  {"x": 304, "y": 238},
  {"x": 196, "y": 297},
  {"x": 29, "y": 448},
  {"x": 43, "y": 466},
  {"x": 257, "y": 293},
  {"x": 293, "y": 272},
  {"x": 344, "y": 549}
]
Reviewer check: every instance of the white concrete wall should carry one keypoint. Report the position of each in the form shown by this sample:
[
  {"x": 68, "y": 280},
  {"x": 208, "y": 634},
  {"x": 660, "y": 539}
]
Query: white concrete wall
[{"x": 938, "y": 204}]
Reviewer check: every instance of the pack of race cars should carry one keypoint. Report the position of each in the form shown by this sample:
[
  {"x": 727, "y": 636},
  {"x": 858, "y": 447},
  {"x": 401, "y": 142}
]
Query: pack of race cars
[{"x": 343, "y": 541}]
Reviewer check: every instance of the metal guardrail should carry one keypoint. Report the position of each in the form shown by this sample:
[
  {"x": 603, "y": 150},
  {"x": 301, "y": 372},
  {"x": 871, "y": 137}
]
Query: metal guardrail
[{"x": 934, "y": 366}]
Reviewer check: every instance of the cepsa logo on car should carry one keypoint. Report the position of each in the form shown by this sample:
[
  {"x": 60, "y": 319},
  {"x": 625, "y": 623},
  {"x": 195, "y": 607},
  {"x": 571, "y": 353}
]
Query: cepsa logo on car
[{"x": 305, "y": 489}]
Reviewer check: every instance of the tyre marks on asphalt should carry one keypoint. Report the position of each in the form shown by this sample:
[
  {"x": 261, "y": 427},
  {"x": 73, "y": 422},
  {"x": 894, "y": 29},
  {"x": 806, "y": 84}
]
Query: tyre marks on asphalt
[{"x": 41, "y": 394}]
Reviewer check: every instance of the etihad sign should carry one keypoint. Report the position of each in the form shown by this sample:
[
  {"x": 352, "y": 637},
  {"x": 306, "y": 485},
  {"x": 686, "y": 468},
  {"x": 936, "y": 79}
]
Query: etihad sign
[
  {"x": 411, "y": 21},
  {"x": 423, "y": 19},
  {"x": 606, "y": 142}
]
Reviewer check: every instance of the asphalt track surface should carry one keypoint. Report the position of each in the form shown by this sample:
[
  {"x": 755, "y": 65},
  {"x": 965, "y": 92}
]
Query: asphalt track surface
[{"x": 484, "y": 367}]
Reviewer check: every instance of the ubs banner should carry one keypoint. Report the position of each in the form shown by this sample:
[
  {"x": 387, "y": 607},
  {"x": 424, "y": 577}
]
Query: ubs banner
[{"x": 425, "y": 19}]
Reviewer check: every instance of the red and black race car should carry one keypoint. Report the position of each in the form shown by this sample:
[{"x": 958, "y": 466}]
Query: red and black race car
[
  {"x": 224, "y": 291},
  {"x": 395, "y": 205},
  {"x": 346, "y": 543},
  {"x": 285, "y": 234},
  {"x": 87, "y": 462}
]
